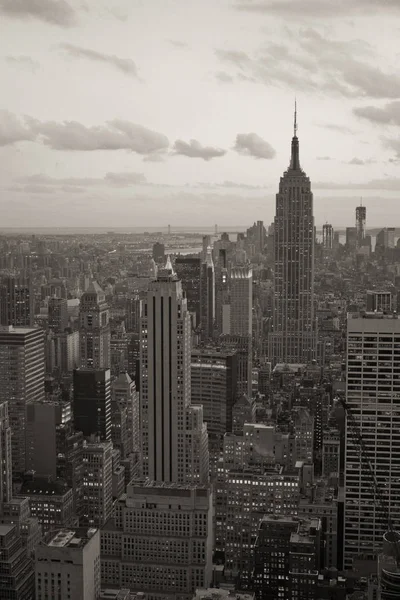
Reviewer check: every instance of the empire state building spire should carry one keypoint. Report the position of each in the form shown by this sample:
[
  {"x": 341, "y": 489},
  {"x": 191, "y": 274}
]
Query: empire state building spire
[{"x": 295, "y": 161}]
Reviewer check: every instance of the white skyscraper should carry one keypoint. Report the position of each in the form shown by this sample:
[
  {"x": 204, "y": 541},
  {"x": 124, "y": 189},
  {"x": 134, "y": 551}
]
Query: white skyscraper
[
  {"x": 166, "y": 425},
  {"x": 373, "y": 395}
]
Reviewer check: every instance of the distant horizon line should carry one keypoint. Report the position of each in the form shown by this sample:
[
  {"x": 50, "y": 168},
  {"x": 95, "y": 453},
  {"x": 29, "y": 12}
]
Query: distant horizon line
[{"x": 162, "y": 229}]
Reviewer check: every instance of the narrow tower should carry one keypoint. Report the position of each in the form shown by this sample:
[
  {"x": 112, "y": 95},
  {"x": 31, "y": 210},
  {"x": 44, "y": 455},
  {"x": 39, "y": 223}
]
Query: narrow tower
[
  {"x": 94, "y": 329},
  {"x": 293, "y": 339}
]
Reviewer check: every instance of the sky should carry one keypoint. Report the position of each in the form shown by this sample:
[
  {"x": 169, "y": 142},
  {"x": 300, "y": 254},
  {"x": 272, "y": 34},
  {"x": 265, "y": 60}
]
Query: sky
[{"x": 152, "y": 112}]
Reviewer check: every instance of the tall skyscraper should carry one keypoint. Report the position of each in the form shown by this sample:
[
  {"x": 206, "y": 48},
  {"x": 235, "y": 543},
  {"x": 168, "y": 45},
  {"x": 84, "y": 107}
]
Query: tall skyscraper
[
  {"x": 94, "y": 329},
  {"x": 16, "y": 302},
  {"x": 361, "y": 216},
  {"x": 165, "y": 358},
  {"x": 214, "y": 386},
  {"x": 293, "y": 339},
  {"x": 327, "y": 236},
  {"x": 5, "y": 456},
  {"x": 373, "y": 395},
  {"x": 21, "y": 382},
  {"x": 241, "y": 301},
  {"x": 92, "y": 402},
  {"x": 207, "y": 297},
  {"x": 58, "y": 314},
  {"x": 188, "y": 269}
]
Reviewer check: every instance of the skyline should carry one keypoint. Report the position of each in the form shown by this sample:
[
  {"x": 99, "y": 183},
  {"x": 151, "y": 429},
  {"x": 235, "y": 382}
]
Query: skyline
[{"x": 85, "y": 138}]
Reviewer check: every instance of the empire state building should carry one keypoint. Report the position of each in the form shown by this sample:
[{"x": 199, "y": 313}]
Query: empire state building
[{"x": 293, "y": 339}]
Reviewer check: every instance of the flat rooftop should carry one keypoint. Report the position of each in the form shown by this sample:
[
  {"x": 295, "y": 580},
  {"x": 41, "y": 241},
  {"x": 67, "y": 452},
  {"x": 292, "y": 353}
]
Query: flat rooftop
[{"x": 69, "y": 538}]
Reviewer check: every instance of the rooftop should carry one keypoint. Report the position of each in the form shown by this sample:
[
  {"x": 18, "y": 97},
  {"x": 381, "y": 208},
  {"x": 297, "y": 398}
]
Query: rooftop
[{"x": 69, "y": 538}]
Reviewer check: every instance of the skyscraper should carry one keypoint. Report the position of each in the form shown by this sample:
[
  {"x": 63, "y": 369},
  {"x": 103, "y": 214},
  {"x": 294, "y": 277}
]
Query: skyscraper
[
  {"x": 327, "y": 236},
  {"x": 94, "y": 329},
  {"x": 188, "y": 269},
  {"x": 16, "y": 302},
  {"x": 168, "y": 555},
  {"x": 21, "y": 382},
  {"x": 241, "y": 301},
  {"x": 5, "y": 456},
  {"x": 293, "y": 339},
  {"x": 373, "y": 395},
  {"x": 207, "y": 296},
  {"x": 92, "y": 402},
  {"x": 58, "y": 314},
  {"x": 165, "y": 358},
  {"x": 361, "y": 216}
]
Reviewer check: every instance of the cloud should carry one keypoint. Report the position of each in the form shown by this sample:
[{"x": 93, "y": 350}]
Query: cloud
[
  {"x": 194, "y": 149},
  {"x": 24, "y": 62},
  {"x": 13, "y": 130},
  {"x": 155, "y": 158},
  {"x": 123, "y": 179},
  {"x": 56, "y": 12},
  {"x": 114, "y": 135},
  {"x": 359, "y": 161},
  {"x": 251, "y": 144},
  {"x": 316, "y": 8},
  {"x": 314, "y": 63},
  {"x": 120, "y": 179},
  {"x": 223, "y": 77},
  {"x": 389, "y": 184},
  {"x": 324, "y": 158},
  {"x": 334, "y": 127},
  {"x": 177, "y": 43},
  {"x": 388, "y": 114},
  {"x": 393, "y": 144},
  {"x": 125, "y": 65}
]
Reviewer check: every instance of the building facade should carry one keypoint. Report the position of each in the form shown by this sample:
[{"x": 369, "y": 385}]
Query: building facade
[
  {"x": 159, "y": 541},
  {"x": 92, "y": 402},
  {"x": 94, "y": 329},
  {"x": 165, "y": 356},
  {"x": 67, "y": 565},
  {"x": 293, "y": 339},
  {"x": 21, "y": 382},
  {"x": 373, "y": 396}
]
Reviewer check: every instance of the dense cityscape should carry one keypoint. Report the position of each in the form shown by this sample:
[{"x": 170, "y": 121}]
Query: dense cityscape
[{"x": 190, "y": 415}]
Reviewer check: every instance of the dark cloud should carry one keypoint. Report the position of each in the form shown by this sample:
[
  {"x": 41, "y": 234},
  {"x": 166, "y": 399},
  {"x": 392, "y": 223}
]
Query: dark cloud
[
  {"x": 312, "y": 62},
  {"x": 13, "y": 130},
  {"x": 125, "y": 65},
  {"x": 389, "y": 184},
  {"x": 251, "y": 144},
  {"x": 23, "y": 62},
  {"x": 316, "y": 8},
  {"x": 194, "y": 149},
  {"x": 56, "y": 12},
  {"x": 114, "y": 135},
  {"x": 388, "y": 114}
]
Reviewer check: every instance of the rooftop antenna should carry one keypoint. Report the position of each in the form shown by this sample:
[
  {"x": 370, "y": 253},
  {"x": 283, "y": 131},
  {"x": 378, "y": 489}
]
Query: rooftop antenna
[
  {"x": 295, "y": 117},
  {"x": 361, "y": 201}
]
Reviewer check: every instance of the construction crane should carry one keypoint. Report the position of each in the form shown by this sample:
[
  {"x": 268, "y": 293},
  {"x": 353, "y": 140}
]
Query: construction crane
[{"x": 367, "y": 468}]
